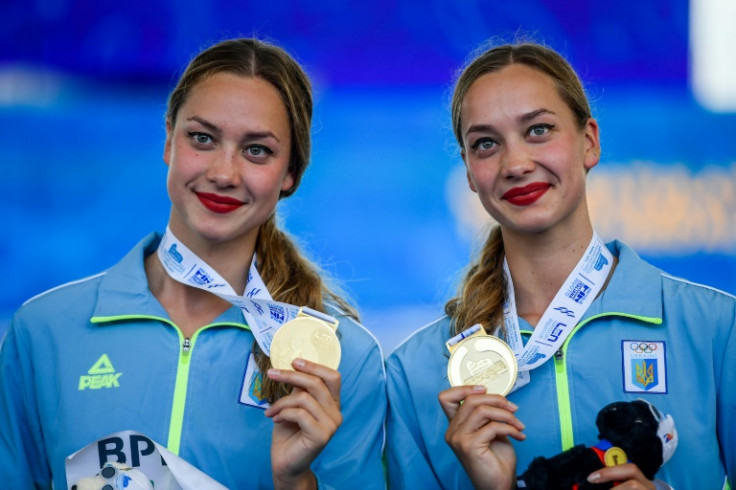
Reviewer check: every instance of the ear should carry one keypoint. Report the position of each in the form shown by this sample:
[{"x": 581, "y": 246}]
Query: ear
[
  {"x": 467, "y": 173},
  {"x": 470, "y": 182},
  {"x": 592, "y": 143},
  {"x": 167, "y": 144},
  {"x": 288, "y": 181}
]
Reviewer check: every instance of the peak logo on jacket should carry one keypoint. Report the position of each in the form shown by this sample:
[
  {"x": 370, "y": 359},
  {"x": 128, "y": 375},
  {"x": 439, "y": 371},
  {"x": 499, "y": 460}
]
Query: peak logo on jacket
[{"x": 101, "y": 375}]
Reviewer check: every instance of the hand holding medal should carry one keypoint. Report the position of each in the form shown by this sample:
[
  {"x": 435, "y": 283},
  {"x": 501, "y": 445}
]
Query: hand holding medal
[
  {"x": 480, "y": 425},
  {"x": 305, "y": 353},
  {"x": 482, "y": 369},
  {"x": 304, "y": 421}
]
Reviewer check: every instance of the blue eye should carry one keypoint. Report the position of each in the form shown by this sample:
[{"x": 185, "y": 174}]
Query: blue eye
[
  {"x": 258, "y": 151},
  {"x": 539, "y": 129},
  {"x": 483, "y": 144},
  {"x": 200, "y": 138}
]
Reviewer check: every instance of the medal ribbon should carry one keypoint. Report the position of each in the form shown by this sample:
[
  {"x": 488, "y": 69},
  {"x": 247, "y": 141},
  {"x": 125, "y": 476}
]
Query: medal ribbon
[
  {"x": 569, "y": 305},
  {"x": 463, "y": 335},
  {"x": 263, "y": 315}
]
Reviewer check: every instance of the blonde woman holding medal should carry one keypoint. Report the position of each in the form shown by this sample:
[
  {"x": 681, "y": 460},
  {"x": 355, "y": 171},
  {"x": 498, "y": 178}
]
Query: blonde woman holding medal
[
  {"x": 588, "y": 323},
  {"x": 174, "y": 341}
]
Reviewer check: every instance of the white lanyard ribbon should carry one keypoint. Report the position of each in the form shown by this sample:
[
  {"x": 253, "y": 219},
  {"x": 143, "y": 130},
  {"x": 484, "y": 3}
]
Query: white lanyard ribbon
[
  {"x": 569, "y": 305},
  {"x": 263, "y": 315}
]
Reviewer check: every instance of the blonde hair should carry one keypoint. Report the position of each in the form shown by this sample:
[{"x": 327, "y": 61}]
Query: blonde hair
[{"x": 482, "y": 292}]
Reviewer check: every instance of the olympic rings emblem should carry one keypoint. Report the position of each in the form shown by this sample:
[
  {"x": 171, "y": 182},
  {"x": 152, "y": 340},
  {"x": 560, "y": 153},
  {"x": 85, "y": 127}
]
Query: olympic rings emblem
[{"x": 643, "y": 347}]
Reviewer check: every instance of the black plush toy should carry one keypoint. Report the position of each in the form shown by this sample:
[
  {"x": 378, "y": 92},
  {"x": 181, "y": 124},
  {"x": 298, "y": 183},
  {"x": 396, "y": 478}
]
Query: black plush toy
[{"x": 628, "y": 432}]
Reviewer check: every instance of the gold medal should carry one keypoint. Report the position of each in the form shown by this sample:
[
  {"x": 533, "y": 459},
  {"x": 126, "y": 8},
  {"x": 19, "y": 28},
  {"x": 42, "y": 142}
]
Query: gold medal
[
  {"x": 482, "y": 359},
  {"x": 615, "y": 456},
  {"x": 308, "y": 337}
]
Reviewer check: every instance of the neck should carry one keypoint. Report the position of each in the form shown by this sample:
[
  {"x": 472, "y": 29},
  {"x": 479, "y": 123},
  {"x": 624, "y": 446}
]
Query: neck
[
  {"x": 231, "y": 262},
  {"x": 539, "y": 266},
  {"x": 231, "y": 259},
  {"x": 191, "y": 308}
]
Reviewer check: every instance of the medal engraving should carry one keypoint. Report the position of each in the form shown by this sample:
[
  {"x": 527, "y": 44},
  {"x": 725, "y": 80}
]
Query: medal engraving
[
  {"x": 481, "y": 359},
  {"x": 306, "y": 337}
]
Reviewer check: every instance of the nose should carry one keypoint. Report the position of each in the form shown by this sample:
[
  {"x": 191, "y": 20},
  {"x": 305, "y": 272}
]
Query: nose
[
  {"x": 516, "y": 161},
  {"x": 224, "y": 169}
]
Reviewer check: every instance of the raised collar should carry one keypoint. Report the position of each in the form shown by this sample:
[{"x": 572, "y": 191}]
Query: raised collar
[
  {"x": 635, "y": 289},
  {"x": 124, "y": 293}
]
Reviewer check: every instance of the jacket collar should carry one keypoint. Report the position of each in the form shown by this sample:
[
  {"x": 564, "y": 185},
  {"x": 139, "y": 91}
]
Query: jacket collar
[
  {"x": 124, "y": 293},
  {"x": 635, "y": 289}
]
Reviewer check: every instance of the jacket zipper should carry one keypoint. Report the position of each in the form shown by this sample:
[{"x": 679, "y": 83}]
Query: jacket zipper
[
  {"x": 180, "y": 394},
  {"x": 561, "y": 378},
  {"x": 181, "y": 386}
]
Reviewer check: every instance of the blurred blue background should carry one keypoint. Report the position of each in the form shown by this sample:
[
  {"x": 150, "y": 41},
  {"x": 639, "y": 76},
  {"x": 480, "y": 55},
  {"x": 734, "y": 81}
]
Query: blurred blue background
[{"x": 384, "y": 205}]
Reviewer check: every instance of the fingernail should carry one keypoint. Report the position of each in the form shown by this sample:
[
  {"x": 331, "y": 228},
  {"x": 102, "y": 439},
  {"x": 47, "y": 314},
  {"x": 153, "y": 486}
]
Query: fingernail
[
  {"x": 594, "y": 477},
  {"x": 298, "y": 363},
  {"x": 479, "y": 388},
  {"x": 273, "y": 373},
  {"x": 513, "y": 405}
]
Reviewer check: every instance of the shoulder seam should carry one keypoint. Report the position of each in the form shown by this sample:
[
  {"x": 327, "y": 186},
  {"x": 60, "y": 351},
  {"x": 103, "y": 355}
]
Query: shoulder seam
[
  {"x": 383, "y": 371},
  {"x": 78, "y": 281},
  {"x": 359, "y": 324},
  {"x": 415, "y": 332},
  {"x": 378, "y": 344},
  {"x": 704, "y": 286}
]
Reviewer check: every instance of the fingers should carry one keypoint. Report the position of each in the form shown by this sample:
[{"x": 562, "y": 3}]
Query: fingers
[
  {"x": 319, "y": 375},
  {"x": 483, "y": 425},
  {"x": 317, "y": 429},
  {"x": 451, "y": 398},
  {"x": 478, "y": 419},
  {"x": 315, "y": 398},
  {"x": 301, "y": 402},
  {"x": 482, "y": 440},
  {"x": 469, "y": 406},
  {"x": 629, "y": 474},
  {"x": 479, "y": 412}
]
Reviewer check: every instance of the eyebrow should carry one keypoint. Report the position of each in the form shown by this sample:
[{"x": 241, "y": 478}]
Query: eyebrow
[
  {"x": 531, "y": 115},
  {"x": 524, "y": 118},
  {"x": 251, "y": 135},
  {"x": 206, "y": 124}
]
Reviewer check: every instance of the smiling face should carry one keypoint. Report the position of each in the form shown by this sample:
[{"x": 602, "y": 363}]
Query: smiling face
[
  {"x": 525, "y": 155},
  {"x": 228, "y": 154}
]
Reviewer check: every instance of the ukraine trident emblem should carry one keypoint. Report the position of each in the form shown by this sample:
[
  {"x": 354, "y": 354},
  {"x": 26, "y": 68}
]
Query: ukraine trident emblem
[{"x": 646, "y": 372}]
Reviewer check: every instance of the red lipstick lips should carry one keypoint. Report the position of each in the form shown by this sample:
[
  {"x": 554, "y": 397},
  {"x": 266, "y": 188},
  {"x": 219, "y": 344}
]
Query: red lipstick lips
[
  {"x": 217, "y": 203},
  {"x": 526, "y": 195}
]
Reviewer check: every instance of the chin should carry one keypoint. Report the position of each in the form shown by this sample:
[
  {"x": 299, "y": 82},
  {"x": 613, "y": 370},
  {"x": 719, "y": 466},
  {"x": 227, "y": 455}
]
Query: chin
[
  {"x": 225, "y": 232},
  {"x": 526, "y": 227},
  {"x": 213, "y": 234}
]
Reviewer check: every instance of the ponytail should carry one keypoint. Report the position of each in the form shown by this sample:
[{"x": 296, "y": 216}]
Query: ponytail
[
  {"x": 290, "y": 278},
  {"x": 483, "y": 291}
]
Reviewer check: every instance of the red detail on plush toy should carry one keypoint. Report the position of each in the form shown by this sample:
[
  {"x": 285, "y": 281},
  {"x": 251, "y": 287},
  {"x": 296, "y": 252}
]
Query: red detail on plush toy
[{"x": 601, "y": 454}]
